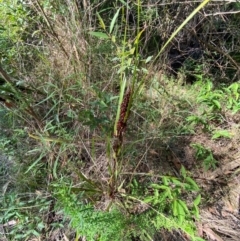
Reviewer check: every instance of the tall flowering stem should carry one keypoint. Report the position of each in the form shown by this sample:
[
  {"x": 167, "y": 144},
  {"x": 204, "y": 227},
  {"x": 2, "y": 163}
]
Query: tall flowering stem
[{"x": 122, "y": 122}]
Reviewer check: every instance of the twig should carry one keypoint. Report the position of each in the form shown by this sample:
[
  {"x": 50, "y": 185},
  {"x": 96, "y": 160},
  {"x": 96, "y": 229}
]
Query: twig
[
  {"x": 221, "y": 13},
  {"x": 29, "y": 109},
  {"x": 5, "y": 76},
  {"x": 52, "y": 29}
]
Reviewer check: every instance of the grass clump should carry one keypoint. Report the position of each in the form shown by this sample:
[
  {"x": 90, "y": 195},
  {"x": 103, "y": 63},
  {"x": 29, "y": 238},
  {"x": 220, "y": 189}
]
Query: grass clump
[{"x": 20, "y": 215}]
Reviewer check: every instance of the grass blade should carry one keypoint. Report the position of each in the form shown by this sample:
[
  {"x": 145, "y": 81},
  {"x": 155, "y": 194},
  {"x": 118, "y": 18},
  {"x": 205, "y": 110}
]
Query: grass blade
[{"x": 114, "y": 20}]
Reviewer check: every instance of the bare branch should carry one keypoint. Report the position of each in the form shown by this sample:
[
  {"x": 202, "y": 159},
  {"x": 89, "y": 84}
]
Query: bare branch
[{"x": 221, "y": 13}]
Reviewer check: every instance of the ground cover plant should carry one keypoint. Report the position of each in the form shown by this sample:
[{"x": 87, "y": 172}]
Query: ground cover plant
[{"x": 111, "y": 130}]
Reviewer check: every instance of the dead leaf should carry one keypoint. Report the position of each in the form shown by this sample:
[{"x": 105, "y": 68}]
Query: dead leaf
[
  {"x": 200, "y": 229},
  {"x": 212, "y": 235}
]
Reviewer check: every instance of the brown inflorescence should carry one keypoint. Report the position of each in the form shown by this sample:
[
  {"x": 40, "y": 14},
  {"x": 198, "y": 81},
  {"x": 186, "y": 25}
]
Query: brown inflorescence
[{"x": 122, "y": 122}]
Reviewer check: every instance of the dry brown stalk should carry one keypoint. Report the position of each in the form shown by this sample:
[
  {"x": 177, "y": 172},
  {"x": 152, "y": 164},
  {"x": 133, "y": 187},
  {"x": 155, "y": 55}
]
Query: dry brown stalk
[{"x": 122, "y": 122}]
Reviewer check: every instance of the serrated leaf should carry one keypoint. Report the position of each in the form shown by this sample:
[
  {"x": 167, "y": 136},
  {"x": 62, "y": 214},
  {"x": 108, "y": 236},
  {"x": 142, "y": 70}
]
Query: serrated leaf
[
  {"x": 188, "y": 187},
  {"x": 184, "y": 206},
  {"x": 177, "y": 182},
  {"x": 148, "y": 199},
  {"x": 197, "y": 200},
  {"x": 102, "y": 24},
  {"x": 155, "y": 201},
  {"x": 165, "y": 182},
  {"x": 163, "y": 196},
  {"x": 174, "y": 208},
  {"x": 230, "y": 103},
  {"x": 156, "y": 186},
  {"x": 194, "y": 185},
  {"x": 169, "y": 193},
  {"x": 221, "y": 133},
  {"x": 195, "y": 211},
  {"x": 234, "y": 87},
  {"x": 183, "y": 171},
  {"x": 180, "y": 211},
  {"x": 156, "y": 193},
  {"x": 135, "y": 183},
  {"x": 217, "y": 103},
  {"x": 99, "y": 35},
  {"x": 113, "y": 21}
]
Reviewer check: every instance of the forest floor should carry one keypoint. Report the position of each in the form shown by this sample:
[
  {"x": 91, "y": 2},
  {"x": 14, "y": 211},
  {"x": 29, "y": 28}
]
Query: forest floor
[
  {"x": 220, "y": 211},
  {"x": 220, "y": 186}
]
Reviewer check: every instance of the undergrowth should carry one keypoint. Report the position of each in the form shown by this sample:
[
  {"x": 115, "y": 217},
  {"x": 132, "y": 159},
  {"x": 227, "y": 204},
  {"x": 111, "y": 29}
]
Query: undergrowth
[{"x": 138, "y": 215}]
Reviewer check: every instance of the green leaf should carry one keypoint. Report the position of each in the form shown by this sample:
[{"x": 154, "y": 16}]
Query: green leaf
[
  {"x": 217, "y": 104},
  {"x": 221, "y": 133},
  {"x": 113, "y": 39},
  {"x": 34, "y": 164},
  {"x": 165, "y": 181},
  {"x": 155, "y": 202},
  {"x": 195, "y": 211},
  {"x": 236, "y": 108},
  {"x": 169, "y": 193},
  {"x": 156, "y": 193},
  {"x": 197, "y": 200},
  {"x": 156, "y": 186},
  {"x": 234, "y": 87},
  {"x": 132, "y": 50},
  {"x": 174, "y": 208},
  {"x": 55, "y": 168},
  {"x": 101, "y": 21},
  {"x": 193, "y": 184},
  {"x": 177, "y": 182},
  {"x": 99, "y": 35},
  {"x": 124, "y": 3},
  {"x": 35, "y": 233},
  {"x": 40, "y": 226},
  {"x": 183, "y": 171},
  {"x": 149, "y": 58},
  {"x": 184, "y": 206},
  {"x": 113, "y": 21},
  {"x": 136, "y": 42},
  {"x": 194, "y": 119},
  {"x": 199, "y": 239},
  {"x": 230, "y": 103},
  {"x": 180, "y": 212},
  {"x": 163, "y": 196},
  {"x": 148, "y": 199}
]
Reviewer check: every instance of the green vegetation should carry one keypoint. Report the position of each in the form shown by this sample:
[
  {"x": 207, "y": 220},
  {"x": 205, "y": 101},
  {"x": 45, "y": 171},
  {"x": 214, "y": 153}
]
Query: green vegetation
[{"x": 95, "y": 118}]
